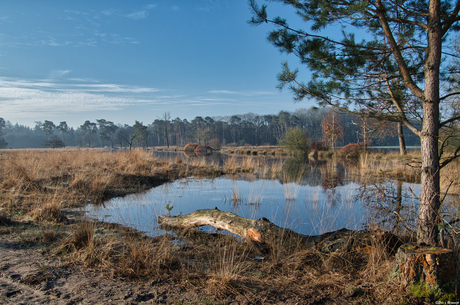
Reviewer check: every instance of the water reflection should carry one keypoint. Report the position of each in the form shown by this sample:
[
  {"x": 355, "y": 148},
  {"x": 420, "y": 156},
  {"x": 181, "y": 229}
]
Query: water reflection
[
  {"x": 309, "y": 197},
  {"x": 391, "y": 205}
]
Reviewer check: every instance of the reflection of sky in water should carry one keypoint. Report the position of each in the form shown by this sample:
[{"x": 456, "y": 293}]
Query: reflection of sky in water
[{"x": 313, "y": 211}]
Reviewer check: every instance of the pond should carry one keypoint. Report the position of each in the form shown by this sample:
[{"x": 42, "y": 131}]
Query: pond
[{"x": 308, "y": 198}]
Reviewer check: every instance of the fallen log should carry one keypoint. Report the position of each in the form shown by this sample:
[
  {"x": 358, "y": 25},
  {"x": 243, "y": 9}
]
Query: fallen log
[
  {"x": 259, "y": 230},
  {"x": 263, "y": 231}
]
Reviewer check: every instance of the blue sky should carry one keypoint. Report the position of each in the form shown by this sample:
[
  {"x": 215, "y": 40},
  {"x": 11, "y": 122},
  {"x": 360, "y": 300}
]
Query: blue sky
[{"x": 134, "y": 60}]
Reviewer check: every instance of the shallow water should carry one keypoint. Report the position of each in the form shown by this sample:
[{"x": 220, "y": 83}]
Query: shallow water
[
  {"x": 303, "y": 208},
  {"x": 325, "y": 197}
]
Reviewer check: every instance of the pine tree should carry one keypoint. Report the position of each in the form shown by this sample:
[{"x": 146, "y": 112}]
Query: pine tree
[{"x": 395, "y": 72}]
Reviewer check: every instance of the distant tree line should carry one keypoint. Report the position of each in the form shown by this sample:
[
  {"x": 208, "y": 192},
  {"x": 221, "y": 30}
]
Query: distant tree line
[{"x": 245, "y": 129}]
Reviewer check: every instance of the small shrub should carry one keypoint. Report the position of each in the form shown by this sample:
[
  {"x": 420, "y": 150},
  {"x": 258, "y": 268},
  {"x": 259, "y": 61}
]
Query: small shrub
[
  {"x": 215, "y": 144},
  {"x": 296, "y": 141}
]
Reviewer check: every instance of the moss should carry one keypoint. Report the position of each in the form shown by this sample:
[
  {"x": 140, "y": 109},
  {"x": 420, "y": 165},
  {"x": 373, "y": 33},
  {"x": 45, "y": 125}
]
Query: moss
[
  {"x": 451, "y": 297},
  {"x": 425, "y": 291}
]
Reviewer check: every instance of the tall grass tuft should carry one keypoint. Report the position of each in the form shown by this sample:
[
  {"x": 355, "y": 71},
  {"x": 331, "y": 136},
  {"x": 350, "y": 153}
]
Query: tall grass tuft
[
  {"x": 49, "y": 212},
  {"x": 226, "y": 269}
]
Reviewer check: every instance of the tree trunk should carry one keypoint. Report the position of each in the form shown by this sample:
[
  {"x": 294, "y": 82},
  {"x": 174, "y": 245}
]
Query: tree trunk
[
  {"x": 427, "y": 230},
  {"x": 432, "y": 268},
  {"x": 259, "y": 230},
  {"x": 402, "y": 142},
  {"x": 364, "y": 134}
]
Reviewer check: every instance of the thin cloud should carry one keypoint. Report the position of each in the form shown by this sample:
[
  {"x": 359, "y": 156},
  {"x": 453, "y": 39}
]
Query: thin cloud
[
  {"x": 86, "y": 80},
  {"x": 17, "y": 102},
  {"x": 108, "y": 12},
  {"x": 223, "y": 91},
  {"x": 243, "y": 93},
  {"x": 115, "y": 88},
  {"x": 24, "y": 99},
  {"x": 138, "y": 15},
  {"x": 218, "y": 99},
  {"x": 142, "y": 13},
  {"x": 58, "y": 73}
]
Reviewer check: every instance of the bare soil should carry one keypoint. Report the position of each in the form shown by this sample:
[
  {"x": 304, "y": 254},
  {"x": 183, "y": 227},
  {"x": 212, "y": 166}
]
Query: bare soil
[
  {"x": 35, "y": 270},
  {"x": 32, "y": 273}
]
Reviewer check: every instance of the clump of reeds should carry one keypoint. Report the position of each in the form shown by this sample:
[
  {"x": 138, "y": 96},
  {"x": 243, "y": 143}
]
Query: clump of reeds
[
  {"x": 248, "y": 164},
  {"x": 49, "y": 212},
  {"x": 227, "y": 267},
  {"x": 81, "y": 237},
  {"x": 119, "y": 253},
  {"x": 31, "y": 177},
  {"x": 291, "y": 191},
  {"x": 231, "y": 165},
  {"x": 235, "y": 195},
  {"x": 256, "y": 195},
  {"x": 391, "y": 165}
]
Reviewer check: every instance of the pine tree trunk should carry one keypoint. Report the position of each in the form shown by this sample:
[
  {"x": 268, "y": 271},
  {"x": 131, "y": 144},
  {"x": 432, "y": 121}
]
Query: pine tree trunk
[{"x": 427, "y": 231}]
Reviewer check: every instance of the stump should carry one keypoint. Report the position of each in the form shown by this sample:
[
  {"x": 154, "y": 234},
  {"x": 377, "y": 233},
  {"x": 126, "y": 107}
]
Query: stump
[{"x": 435, "y": 267}]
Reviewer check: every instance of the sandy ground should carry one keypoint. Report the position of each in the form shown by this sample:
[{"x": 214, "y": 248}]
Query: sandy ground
[{"x": 34, "y": 276}]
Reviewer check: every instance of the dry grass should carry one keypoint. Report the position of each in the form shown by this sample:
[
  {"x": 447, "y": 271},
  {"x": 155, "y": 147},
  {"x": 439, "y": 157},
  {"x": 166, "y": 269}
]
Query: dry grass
[
  {"x": 226, "y": 269},
  {"x": 69, "y": 176},
  {"x": 49, "y": 212},
  {"x": 256, "y": 150},
  {"x": 43, "y": 181},
  {"x": 450, "y": 178},
  {"x": 391, "y": 165},
  {"x": 41, "y": 184},
  {"x": 118, "y": 251}
]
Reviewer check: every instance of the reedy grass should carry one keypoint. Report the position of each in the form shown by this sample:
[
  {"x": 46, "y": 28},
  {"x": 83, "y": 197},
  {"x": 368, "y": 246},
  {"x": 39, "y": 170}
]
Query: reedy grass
[
  {"x": 125, "y": 253},
  {"x": 66, "y": 178},
  {"x": 226, "y": 269},
  {"x": 236, "y": 198},
  {"x": 450, "y": 174}
]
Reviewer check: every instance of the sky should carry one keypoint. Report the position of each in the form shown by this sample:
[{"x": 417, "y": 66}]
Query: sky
[{"x": 124, "y": 60}]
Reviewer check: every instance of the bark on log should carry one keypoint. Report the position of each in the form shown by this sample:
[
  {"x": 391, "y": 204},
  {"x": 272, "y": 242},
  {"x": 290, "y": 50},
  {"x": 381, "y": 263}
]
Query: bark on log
[
  {"x": 262, "y": 231},
  {"x": 259, "y": 230}
]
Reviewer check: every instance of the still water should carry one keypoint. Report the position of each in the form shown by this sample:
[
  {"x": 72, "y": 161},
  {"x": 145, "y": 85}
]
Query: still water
[{"x": 298, "y": 206}]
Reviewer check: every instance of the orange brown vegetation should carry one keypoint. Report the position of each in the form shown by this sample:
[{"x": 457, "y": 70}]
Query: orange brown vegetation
[
  {"x": 190, "y": 147},
  {"x": 350, "y": 151}
]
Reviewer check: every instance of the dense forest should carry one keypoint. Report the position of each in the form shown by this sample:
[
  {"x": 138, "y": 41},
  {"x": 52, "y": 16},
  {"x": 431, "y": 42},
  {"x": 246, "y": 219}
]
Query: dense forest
[{"x": 236, "y": 130}]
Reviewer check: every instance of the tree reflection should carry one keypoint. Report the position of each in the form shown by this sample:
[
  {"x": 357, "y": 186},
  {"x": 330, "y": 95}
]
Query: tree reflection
[
  {"x": 388, "y": 207},
  {"x": 330, "y": 182}
]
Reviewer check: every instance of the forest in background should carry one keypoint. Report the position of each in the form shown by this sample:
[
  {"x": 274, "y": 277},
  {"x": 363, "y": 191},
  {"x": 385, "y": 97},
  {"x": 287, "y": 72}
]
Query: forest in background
[{"x": 235, "y": 130}]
